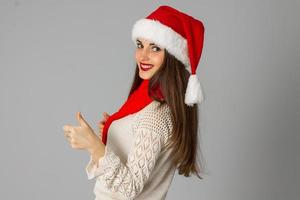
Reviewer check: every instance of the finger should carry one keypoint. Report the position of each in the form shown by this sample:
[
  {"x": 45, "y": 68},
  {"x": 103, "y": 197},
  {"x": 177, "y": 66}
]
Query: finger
[
  {"x": 102, "y": 121},
  {"x": 81, "y": 120},
  {"x": 74, "y": 145},
  {"x": 67, "y": 135},
  {"x": 67, "y": 128},
  {"x": 69, "y": 138},
  {"x": 106, "y": 115},
  {"x": 100, "y": 125}
]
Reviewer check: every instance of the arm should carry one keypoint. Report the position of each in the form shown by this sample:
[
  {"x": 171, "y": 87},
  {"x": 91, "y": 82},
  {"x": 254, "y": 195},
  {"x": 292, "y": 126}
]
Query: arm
[
  {"x": 129, "y": 178},
  {"x": 97, "y": 152}
]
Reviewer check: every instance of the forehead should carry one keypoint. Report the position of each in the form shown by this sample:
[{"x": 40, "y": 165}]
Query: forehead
[
  {"x": 149, "y": 42},
  {"x": 144, "y": 40}
]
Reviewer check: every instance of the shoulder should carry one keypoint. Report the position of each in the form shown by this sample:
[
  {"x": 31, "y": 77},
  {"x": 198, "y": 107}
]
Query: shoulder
[{"x": 155, "y": 118}]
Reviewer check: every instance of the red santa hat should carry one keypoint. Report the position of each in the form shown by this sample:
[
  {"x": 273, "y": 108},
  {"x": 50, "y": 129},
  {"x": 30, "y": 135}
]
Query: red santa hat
[{"x": 182, "y": 36}]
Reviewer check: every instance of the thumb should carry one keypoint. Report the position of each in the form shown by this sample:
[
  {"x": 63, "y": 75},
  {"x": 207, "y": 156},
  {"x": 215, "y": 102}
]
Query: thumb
[{"x": 80, "y": 119}]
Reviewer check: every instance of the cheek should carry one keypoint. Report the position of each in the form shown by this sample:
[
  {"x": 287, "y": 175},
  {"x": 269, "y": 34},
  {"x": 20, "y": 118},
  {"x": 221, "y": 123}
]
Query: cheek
[
  {"x": 136, "y": 55},
  {"x": 159, "y": 60}
]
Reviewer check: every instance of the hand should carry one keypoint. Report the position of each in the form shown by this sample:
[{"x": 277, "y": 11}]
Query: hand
[
  {"x": 83, "y": 136},
  {"x": 102, "y": 122}
]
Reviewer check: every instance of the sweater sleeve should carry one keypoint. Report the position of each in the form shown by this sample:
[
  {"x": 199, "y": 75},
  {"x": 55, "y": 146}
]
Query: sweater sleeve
[{"x": 129, "y": 178}]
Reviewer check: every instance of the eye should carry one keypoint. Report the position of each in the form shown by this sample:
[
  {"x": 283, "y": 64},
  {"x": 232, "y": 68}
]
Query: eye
[
  {"x": 138, "y": 45},
  {"x": 157, "y": 48}
]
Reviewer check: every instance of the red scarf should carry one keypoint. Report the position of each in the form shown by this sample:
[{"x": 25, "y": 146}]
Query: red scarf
[{"x": 135, "y": 102}]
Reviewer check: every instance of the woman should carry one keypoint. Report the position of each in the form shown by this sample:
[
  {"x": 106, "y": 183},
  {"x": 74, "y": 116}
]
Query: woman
[{"x": 155, "y": 130}]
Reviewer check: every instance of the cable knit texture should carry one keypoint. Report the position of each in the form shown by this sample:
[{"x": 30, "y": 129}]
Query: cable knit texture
[{"x": 151, "y": 129}]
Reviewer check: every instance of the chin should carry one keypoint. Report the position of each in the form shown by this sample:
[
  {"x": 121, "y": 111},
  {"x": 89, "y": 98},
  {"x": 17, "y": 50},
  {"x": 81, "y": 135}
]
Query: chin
[{"x": 145, "y": 76}]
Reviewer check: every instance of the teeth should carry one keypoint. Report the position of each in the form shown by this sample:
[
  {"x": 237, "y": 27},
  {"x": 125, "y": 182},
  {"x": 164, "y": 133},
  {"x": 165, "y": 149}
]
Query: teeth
[{"x": 146, "y": 66}]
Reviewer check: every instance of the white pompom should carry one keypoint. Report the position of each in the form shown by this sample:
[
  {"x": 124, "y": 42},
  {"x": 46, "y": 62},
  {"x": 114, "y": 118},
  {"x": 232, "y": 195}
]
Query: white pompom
[{"x": 193, "y": 92}]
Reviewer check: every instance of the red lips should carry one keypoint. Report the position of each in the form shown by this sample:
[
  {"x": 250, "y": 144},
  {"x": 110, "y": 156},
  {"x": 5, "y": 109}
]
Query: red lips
[{"x": 145, "y": 67}]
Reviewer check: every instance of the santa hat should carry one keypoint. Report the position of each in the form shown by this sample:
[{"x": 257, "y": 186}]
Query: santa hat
[{"x": 182, "y": 36}]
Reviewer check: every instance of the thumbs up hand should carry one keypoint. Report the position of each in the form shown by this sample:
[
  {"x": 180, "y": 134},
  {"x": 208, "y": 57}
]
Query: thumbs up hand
[{"x": 82, "y": 136}]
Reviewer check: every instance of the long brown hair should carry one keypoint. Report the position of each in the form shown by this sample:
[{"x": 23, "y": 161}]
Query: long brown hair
[{"x": 173, "y": 78}]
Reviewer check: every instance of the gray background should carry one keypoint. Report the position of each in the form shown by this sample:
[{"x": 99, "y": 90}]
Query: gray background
[{"x": 60, "y": 57}]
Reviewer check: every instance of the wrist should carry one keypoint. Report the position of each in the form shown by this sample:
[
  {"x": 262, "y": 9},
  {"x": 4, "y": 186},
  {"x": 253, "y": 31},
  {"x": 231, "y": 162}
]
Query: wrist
[{"x": 97, "y": 150}]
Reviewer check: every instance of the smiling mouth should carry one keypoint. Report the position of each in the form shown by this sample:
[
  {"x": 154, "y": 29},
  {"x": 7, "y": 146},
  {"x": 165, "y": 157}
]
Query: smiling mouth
[{"x": 145, "y": 67}]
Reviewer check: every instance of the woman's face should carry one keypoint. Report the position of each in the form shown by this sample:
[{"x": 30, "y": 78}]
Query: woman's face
[{"x": 149, "y": 57}]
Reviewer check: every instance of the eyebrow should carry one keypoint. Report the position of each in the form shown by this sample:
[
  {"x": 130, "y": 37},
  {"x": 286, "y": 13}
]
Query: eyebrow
[{"x": 141, "y": 42}]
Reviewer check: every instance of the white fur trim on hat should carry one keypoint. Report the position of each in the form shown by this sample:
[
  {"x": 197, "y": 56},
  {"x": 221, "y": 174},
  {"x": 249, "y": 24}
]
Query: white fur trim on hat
[
  {"x": 163, "y": 36},
  {"x": 193, "y": 92}
]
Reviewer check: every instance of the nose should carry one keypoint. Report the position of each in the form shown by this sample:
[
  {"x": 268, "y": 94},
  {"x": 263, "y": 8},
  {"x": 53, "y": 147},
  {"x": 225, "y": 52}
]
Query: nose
[{"x": 144, "y": 54}]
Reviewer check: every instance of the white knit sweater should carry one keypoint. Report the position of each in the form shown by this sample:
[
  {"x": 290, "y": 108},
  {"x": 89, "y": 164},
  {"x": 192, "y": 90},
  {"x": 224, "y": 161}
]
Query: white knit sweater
[{"x": 136, "y": 164}]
